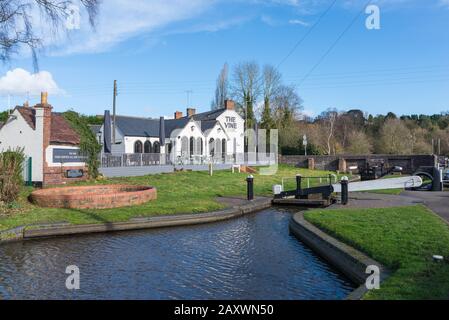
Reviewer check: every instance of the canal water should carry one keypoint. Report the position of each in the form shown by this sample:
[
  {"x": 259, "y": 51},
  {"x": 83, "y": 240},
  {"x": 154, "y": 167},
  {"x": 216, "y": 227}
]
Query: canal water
[{"x": 252, "y": 257}]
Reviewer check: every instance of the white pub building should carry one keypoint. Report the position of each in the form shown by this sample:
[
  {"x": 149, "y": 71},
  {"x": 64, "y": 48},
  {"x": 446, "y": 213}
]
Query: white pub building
[{"x": 195, "y": 138}]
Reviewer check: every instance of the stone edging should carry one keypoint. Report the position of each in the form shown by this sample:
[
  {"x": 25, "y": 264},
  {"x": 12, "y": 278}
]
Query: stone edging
[
  {"x": 64, "y": 229},
  {"x": 351, "y": 262}
]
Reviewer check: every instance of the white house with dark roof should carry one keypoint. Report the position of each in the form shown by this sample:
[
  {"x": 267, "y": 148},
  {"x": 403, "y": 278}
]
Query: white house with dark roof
[
  {"x": 195, "y": 137},
  {"x": 48, "y": 141}
]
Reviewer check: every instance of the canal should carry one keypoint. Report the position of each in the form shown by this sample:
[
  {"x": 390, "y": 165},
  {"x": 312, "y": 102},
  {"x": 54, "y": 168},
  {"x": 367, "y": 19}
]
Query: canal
[{"x": 252, "y": 257}]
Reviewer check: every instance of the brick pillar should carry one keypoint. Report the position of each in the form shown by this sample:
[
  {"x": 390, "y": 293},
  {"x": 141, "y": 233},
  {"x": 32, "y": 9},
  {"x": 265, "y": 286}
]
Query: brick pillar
[
  {"x": 342, "y": 165},
  {"x": 311, "y": 163}
]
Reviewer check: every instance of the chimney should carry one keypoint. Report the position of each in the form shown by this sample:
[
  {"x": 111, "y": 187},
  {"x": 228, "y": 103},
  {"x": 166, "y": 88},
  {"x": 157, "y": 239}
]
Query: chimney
[
  {"x": 43, "y": 129},
  {"x": 178, "y": 115},
  {"x": 190, "y": 112},
  {"x": 229, "y": 105}
]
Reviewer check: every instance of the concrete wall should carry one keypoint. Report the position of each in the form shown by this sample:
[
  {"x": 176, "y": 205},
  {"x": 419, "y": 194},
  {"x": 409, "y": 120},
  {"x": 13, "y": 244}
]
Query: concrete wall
[{"x": 410, "y": 163}]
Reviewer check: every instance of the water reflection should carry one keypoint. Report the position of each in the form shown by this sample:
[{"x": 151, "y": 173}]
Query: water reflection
[{"x": 252, "y": 257}]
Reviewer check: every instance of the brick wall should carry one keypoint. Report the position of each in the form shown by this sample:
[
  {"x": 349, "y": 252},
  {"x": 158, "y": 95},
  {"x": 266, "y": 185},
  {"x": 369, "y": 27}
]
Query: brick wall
[
  {"x": 94, "y": 197},
  {"x": 57, "y": 175},
  {"x": 410, "y": 163},
  {"x": 54, "y": 175}
]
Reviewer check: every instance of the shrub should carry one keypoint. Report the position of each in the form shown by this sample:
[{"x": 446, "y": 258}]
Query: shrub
[
  {"x": 11, "y": 179},
  {"x": 88, "y": 143}
]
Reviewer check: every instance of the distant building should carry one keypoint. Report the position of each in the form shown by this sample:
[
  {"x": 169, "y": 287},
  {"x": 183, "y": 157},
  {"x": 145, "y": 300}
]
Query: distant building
[
  {"x": 49, "y": 142},
  {"x": 217, "y": 133}
]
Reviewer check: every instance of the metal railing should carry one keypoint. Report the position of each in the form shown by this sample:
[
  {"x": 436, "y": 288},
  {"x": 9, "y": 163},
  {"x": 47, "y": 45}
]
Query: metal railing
[
  {"x": 306, "y": 181},
  {"x": 113, "y": 160}
]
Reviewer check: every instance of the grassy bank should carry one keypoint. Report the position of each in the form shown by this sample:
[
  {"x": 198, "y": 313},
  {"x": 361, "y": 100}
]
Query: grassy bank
[
  {"x": 181, "y": 192},
  {"x": 403, "y": 239}
]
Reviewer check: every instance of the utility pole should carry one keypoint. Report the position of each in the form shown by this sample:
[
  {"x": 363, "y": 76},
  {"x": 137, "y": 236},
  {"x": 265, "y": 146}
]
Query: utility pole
[{"x": 113, "y": 111}]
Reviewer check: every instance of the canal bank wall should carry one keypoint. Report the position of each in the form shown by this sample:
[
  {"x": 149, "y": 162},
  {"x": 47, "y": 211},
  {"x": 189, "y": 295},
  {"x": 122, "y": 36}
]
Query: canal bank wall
[
  {"x": 351, "y": 262},
  {"x": 66, "y": 229}
]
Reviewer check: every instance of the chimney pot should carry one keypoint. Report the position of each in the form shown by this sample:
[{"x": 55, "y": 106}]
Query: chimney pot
[
  {"x": 229, "y": 105},
  {"x": 190, "y": 112},
  {"x": 44, "y": 98}
]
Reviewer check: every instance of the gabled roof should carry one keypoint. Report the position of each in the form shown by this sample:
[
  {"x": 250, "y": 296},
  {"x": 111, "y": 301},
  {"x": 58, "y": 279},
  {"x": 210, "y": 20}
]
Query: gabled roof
[
  {"x": 173, "y": 124},
  {"x": 61, "y": 131},
  {"x": 208, "y": 115},
  {"x": 208, "y": 124},
  {"x": 29, "y": 115},
  {"x": 138, "y": 127}
]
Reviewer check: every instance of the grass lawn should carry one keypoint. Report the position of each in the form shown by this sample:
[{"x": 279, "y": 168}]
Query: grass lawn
[
  {"x": 403, "y": 239},
  {"x": 181, "y": 192}
]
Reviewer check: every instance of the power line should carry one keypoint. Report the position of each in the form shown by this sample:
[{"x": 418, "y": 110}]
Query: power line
[
  {"x": 328, "y": 51},
  {"x": 306, "y": 34}
]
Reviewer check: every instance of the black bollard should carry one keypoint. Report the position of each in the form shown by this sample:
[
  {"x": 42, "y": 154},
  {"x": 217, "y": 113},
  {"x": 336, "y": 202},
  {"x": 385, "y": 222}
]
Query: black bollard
[
  {"x": 298, "y": 186},
  {"x": 250, "y": 187},
  {"x": 344, "y": 190}
]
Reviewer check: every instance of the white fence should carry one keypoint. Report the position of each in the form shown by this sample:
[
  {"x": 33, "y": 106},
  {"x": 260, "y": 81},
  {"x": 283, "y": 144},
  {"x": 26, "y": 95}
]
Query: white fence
[{"x": 116, "y": 160}]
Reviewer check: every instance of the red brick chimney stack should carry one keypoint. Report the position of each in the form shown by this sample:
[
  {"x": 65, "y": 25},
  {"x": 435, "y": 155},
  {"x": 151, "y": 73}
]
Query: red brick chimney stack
[
  {"x": 229, "y": 105},
  {"x": 178, "y": 115}
]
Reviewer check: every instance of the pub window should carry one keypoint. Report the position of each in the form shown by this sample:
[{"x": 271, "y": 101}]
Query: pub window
[
  {"x": 157, "y": 147},
  {"x": 212, "y": 147},
  {"x": 138, "y": 147},
  {"x": 147, "y": 147},
  {"x": 192, "y": 145}
]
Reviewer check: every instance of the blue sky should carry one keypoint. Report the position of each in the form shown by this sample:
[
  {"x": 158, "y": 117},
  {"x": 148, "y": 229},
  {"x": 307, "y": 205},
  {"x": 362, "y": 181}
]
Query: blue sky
[{"x": 157, "y": 50}]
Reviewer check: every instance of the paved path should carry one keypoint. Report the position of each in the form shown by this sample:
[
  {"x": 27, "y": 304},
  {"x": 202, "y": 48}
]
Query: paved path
[
  {"x": 438, "y": 202},
  {"x": 374, "y": 200}
]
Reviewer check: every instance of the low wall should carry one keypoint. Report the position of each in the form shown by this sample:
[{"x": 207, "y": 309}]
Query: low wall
[
  {"x": 410, "y": 163},
  {"x": 348, "y": 260},
  {"x": 66, "y": 229},
  {"x": 94, "y": 197}
]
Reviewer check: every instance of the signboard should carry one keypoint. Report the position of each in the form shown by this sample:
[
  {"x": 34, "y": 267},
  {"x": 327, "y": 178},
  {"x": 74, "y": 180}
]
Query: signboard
[
  {"x": 74, "y": 174},
  {"x": 230, "y": 123},
  {"x": 68, "y": 156}
]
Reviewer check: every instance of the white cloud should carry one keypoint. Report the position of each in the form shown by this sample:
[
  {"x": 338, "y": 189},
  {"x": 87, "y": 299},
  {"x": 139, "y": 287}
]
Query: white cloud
[
  {"x": 119, "y": 20},
  {"x": 300, "y": 22},
  {"x": 21, "y": 82}
]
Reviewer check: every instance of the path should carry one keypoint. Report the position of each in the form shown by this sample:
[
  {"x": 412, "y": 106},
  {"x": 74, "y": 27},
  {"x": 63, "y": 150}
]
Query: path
[{"x": 438, "y": 202}]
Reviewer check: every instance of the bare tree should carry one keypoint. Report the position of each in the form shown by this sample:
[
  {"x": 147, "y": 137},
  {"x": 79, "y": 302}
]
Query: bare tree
[
  {"x": 286, "y": 106},
  {"x": 328, "y": 120},
  {"x": 271, "y": 84},
  {"x": 246, "y": 88},
  {"x": 221, "y": 91},
  {"x": 17, "y": 26}
]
